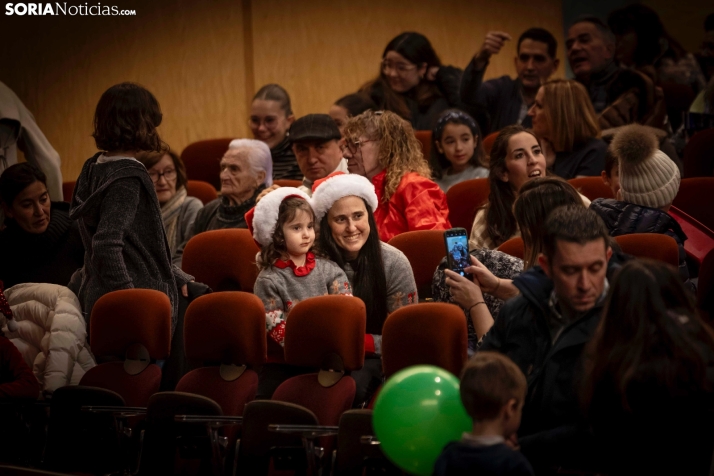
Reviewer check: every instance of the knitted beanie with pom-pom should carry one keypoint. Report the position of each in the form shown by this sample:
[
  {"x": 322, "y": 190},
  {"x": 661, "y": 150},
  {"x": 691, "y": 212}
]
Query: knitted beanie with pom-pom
[{"x": 648, "y": 177}]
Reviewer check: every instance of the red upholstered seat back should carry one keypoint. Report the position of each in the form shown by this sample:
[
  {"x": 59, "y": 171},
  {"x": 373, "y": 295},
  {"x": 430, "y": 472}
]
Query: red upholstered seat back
[
  {"x": 287, "y": 183},
  {"x": 134, "y": 389},
  {"x": 202, "y": 160},
  {"x": 222, "y": 259},
  {"x": 224, "y": 328},
  {"x": 325, "y": 325},
  {"x": 427, "y": 334},
  {"x": 692, "y": 199},
  {"x": 68, "y": 190},
  {"x": 591, "y": 187},
  {"x": 650, "y": 245},
  {"x": 699, "y": 155},
  {"x": 425, "y": 138},
  {"x": 513, "y": 247},
  {"x": 204, "y": 191},
  {"x": 328, "y": 404},
  {"x": 424, "y": 249},
  {"x": 122, "y": 318},
  {"x": 465, "y": 199},
  {"x": 488, "y": 142},
  {"x": 231, "y": 396}
]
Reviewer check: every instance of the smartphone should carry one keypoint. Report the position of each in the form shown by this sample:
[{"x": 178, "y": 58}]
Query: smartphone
[{"x": 457, "y": 251}]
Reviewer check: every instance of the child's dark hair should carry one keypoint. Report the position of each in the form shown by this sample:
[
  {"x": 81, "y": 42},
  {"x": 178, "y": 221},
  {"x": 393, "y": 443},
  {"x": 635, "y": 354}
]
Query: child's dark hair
[
  {"x": 439, "y": 162},
  {"x": 610, "y": 162},
  {"x": 488, "y": 382},
  {"x": 286, "y": 213},
  {"x": 126, "y": 118}
]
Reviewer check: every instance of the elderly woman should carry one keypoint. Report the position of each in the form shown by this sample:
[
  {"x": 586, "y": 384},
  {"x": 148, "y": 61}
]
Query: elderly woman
[
  {"x": 380, "y": 274},
  {"x": 382, "y": 147},
  {"x": 565, "y": 123},
  {"x": 178, "y": 210},
  {"x": 116, "y": 207},
  {"x": 246, "y": 170},
  {"x": 39, "y": 244}
]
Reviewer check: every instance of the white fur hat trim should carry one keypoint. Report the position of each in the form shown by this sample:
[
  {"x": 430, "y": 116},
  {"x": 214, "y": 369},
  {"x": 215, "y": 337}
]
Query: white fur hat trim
[
  {"x": 340, "y": 186},
  {"x": 265, "y": 216}
]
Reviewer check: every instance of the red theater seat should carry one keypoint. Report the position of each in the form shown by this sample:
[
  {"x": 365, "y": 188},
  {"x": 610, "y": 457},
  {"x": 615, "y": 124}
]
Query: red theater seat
[
  {"x": 425, "y": 138},
  {"x": 424, "y": 249},
  {"x": 204, "y": 191},
  {"x": 464, "y": 200},
  {"x": 650, "y": 245},
  {"x": 513, "y": 247},
  {"x": 202, "y": 160},
  {"x": 591, "y": 187}
]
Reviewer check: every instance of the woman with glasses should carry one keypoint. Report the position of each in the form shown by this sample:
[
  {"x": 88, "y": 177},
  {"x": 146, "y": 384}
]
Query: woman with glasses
[
  {"x": 178, "y": 210},
  {"x": 382, "y": 147},
  {"x": 271, "y": 116},
  {"x": 413, "y": 83}
]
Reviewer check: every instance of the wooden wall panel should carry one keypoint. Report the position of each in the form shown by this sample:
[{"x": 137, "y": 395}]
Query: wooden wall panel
[
  {"x": 323, "y": 49},
  {"x": 189, "y": 54},
  {"x": 203, "y": 65}
]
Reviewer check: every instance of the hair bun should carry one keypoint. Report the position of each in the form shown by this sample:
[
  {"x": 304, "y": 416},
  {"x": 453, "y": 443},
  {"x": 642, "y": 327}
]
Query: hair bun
[{"x": 634, "y": 144}]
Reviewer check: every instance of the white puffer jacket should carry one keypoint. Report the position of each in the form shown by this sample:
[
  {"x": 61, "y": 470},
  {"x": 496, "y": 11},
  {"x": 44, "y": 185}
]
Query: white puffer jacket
[{"x": 51, "y": 333}]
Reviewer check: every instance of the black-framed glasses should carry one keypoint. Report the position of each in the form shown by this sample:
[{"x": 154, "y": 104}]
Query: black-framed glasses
[{"x": 169, "y": 175}]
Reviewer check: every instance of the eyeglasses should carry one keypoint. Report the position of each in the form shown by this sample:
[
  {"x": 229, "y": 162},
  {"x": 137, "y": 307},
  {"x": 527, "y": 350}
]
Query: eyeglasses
[
  {"x": 353, "y": 147},
  {"x": 169, "y": 175},
  {"x": 400, "y": 68}
]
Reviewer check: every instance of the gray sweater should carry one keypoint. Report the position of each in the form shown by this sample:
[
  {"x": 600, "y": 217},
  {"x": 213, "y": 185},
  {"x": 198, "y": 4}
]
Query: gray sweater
[
  {"x": 125, "y": 244},
  {"x": 280, "y": 289}
]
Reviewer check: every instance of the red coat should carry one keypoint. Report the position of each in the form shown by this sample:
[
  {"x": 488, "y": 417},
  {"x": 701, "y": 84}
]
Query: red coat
[{"x": 417, "y": 204}]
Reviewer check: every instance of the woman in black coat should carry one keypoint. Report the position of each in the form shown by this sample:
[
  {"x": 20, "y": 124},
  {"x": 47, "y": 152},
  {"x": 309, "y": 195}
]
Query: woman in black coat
[{"x": 39, "y": 243}]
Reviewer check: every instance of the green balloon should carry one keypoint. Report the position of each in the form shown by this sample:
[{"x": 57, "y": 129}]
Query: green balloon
[{"x": 417, "y": 412}]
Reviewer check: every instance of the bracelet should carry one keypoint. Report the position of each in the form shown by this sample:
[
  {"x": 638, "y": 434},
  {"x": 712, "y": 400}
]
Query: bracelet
[{"x": 473, "y": 306}]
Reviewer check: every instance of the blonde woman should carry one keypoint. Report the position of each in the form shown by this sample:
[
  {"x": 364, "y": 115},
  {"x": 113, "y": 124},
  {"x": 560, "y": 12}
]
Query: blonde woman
[
  {"x": 565, "y": 123},
  {"x": 382, "y": 147}
]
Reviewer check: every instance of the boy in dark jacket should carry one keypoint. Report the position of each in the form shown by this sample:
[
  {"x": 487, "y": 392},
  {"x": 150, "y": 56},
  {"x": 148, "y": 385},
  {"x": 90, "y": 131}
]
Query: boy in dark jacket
[
  {"x": 649, "y": 181},
  {"x": 493, "y": 390}
]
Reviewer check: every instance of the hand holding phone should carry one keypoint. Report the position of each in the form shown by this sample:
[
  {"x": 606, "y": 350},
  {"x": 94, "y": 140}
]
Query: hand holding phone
[{"x": 456, "y": 241}]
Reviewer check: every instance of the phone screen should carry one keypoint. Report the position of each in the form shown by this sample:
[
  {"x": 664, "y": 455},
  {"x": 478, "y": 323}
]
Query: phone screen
[{"x": 457, "y": 252}]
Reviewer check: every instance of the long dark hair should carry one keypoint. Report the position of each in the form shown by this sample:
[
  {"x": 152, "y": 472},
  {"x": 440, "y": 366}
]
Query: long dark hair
[
  {"x": 500, "y": 221},
  {"x": 17, "y": 178},
  {"x": 438, "y": 160},
  {"x": 416, "y": 48},
  {"x": 370, "y": 282},
  {"x": 649, "y": 322}
]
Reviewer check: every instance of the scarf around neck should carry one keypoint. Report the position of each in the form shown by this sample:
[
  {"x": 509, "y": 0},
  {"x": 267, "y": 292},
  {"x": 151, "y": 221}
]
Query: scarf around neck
[{"x": 170, "y": 212}]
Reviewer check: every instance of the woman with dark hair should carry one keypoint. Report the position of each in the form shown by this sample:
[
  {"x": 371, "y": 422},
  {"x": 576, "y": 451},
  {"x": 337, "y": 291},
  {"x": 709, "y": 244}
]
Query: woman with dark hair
[
  {"x": 116, "y": 206},
  {"x": 457, "y": 152},
  {"x": 643, "y": 43},
  {"x": 516, "y": 157},
  {"x": 379, "y": 274},
  {"x": 39, "y": 244},
  {"x": 178, "y": 210},
  {"x": 271, "y": 115},
  {"x": 350, "y": 106},
  {"x": 382, "y": 147},
  {"x": 413, "y": 83},
  {"x": 566, "y": 126},
  {"x": 493, "y": 271},
  {"x": 648, "y": 385}
]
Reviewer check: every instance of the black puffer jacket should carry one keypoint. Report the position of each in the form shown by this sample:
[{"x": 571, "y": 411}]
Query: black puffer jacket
[{"x": 623, "y": 218}]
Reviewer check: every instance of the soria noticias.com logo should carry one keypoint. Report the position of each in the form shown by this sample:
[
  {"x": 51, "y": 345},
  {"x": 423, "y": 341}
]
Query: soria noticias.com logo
[{"x": 63, "y": 9}]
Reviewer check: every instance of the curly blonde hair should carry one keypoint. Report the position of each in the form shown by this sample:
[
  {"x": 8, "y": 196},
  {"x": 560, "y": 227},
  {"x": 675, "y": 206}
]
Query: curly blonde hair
[{"x": 399, "y": 150}]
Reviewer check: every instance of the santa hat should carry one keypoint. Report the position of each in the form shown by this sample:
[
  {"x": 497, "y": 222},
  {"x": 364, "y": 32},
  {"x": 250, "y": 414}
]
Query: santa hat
[
  {"x": 262, "y": 218},
  {"x": 648, "y": 177},
  {"x": 337, "y": 185}
]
